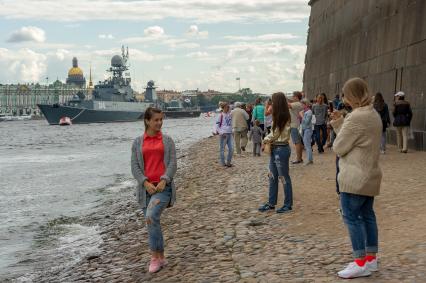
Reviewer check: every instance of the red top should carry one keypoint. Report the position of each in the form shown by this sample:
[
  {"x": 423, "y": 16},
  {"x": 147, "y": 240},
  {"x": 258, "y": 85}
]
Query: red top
[{"x": 153, "y": 157}]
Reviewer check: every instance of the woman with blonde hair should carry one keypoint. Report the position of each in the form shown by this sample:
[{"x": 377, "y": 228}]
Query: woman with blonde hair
[
  {"x": 278, "y": 138},
  {"x": 358, "y": 146}
]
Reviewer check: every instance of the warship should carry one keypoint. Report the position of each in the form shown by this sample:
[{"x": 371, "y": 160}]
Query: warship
[
  {"x": 112, "y": 100},
  {"x": 175, "y": 108}
]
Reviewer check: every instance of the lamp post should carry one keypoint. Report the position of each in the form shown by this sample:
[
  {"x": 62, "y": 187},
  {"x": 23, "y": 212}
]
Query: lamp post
[{"x": 239, "y": 83}]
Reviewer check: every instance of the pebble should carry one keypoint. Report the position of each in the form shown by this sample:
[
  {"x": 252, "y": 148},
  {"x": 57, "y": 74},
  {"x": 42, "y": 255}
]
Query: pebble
[{"x": 215, "y": 233}]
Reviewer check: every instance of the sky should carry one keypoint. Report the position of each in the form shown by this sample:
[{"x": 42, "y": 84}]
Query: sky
[{"x": 180, "y": 44}]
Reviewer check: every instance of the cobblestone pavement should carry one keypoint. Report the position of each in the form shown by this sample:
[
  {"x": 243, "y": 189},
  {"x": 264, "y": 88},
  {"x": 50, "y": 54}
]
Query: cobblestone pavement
[{"x": 215, "y": 233}]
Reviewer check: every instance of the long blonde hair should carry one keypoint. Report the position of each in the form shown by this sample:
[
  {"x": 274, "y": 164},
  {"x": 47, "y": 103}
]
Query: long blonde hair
[{"x": 357, "y": 93}]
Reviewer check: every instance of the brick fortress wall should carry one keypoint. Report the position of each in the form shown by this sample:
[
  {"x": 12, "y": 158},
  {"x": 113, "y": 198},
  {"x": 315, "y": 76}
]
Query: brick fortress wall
[{"x": 382, "y": 41}]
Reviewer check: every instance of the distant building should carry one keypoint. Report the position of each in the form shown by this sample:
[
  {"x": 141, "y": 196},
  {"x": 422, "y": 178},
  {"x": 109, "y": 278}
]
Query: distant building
[
  {"x": 210, "y": 93},
  {"x": 168, "y": 95},
  {"x": 382, "y": 41},
  {"x": 190, "y": 92},
  {"x": 22, "y": 99},
  {"x": 139, "y": 96},
  {"x": 75, "y": 75}
]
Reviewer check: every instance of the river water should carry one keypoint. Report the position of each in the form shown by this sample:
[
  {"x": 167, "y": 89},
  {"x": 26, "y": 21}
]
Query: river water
[{"x": 50, "y": 176}]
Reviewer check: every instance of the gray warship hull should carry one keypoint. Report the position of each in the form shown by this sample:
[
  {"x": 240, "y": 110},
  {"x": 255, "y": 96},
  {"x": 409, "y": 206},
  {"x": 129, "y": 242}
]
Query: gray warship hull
[
  {"x": 112, "y": 100},
  {"x": 182, "y": 114},
  {"x": 53, "y": 113}
]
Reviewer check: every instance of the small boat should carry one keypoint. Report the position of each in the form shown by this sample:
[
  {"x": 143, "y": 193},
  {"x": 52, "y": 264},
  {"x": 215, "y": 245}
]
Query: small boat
[
  {"x": 175, "y": 109},
  {"x": 209, "y": 114},
  {"x": 65, "y": 121}
]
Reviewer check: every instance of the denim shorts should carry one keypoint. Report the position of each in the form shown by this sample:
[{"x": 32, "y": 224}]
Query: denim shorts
[{"x": 295, "y": 136}]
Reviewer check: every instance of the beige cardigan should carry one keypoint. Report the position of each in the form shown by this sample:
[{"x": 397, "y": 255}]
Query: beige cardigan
[
  {"x": 358, "y": 144},
  {"x": 239, "y": 119}
]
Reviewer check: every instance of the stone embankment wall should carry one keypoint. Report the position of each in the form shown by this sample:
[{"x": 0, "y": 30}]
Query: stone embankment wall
[{"x": 382, "y": 41}]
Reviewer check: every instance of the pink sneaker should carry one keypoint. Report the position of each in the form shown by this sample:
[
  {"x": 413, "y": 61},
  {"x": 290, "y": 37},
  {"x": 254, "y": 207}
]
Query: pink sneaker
[
  {"x": 163, "y": 262},
  {"x": 155, "y": 265}
]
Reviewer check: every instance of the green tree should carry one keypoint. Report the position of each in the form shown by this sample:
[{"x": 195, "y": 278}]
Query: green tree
[{"x": 245, "y": 91}]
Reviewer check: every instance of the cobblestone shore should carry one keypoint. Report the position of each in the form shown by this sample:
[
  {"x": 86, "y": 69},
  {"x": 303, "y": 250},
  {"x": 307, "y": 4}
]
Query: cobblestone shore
[{"x": 214, "y": 233}]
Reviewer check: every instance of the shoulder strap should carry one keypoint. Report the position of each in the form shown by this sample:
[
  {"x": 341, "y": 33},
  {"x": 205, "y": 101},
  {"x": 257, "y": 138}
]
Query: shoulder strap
[{"x": 221, "y": 119}]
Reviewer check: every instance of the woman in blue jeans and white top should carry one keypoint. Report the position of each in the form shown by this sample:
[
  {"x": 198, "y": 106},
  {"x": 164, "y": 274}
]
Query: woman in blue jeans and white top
[
  {"x": 154, "y": 165},
  {"x": 223, "y": 128},
  {"x": 278, "y": 138},
  {"x": 358, "y": 146}
]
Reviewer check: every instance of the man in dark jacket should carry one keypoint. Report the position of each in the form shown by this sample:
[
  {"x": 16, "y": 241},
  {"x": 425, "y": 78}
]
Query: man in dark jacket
[{"x": 402, "y": 118}]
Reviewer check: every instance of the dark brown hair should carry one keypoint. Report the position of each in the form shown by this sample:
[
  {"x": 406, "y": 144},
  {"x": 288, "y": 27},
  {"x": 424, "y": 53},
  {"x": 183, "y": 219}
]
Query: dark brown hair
[
  {"x": 280, "y": 111},
  {"x": 379, "y": 102},
  {"x": 298, "y": 94},
  {"x": 324, "y": 97},
  {"x": 149, "y": 112}
]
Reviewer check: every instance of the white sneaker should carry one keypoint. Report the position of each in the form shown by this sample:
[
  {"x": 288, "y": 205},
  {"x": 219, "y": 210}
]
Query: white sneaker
[
  {"x": 372, "y": 265},
  {"x": 353, "y": 270}
]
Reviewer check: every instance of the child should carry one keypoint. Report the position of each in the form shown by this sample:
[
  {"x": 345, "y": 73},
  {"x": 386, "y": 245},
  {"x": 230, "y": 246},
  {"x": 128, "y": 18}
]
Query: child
[{"x": 256, "y": 137}]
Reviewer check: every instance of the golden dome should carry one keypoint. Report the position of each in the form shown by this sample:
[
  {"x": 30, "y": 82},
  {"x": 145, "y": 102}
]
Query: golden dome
[{"x": 75, "y": 71}]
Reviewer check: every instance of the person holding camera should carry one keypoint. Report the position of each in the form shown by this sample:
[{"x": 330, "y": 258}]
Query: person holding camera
[{"x": 358, "y": 146}]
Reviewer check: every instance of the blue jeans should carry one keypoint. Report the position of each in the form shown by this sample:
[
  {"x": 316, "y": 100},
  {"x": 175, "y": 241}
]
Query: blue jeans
[
  {"x": 358, "y": 215},
  {"x": 156, "y": 205},
  {"x": 321, "y": 142},
  {"x": 262, "y": 126},
  {"x": 279, "y": 170},
  {"x": 228, "y": 140},
  {"x": 256, "y": 148},
  {"x": 307, "y": 136},
  {"x": 295, "y": 136}
]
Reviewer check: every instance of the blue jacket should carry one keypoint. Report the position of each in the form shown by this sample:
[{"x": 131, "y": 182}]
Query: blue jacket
[{"x": 307, "y": 120}]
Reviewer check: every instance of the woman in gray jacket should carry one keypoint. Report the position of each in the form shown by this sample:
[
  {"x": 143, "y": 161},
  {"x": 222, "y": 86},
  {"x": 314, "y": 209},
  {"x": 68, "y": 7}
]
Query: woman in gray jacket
[{"x": 154, "y": 165}]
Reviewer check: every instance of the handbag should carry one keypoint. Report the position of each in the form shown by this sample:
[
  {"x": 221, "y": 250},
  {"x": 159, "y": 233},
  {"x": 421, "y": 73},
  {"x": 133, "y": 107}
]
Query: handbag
[{"x": 267, "y": 148}]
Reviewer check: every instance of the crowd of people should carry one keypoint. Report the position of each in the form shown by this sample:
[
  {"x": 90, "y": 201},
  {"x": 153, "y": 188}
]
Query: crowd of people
[
  {"x": 310, "y": 123},
  {"x": 353, "y": 125}
]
